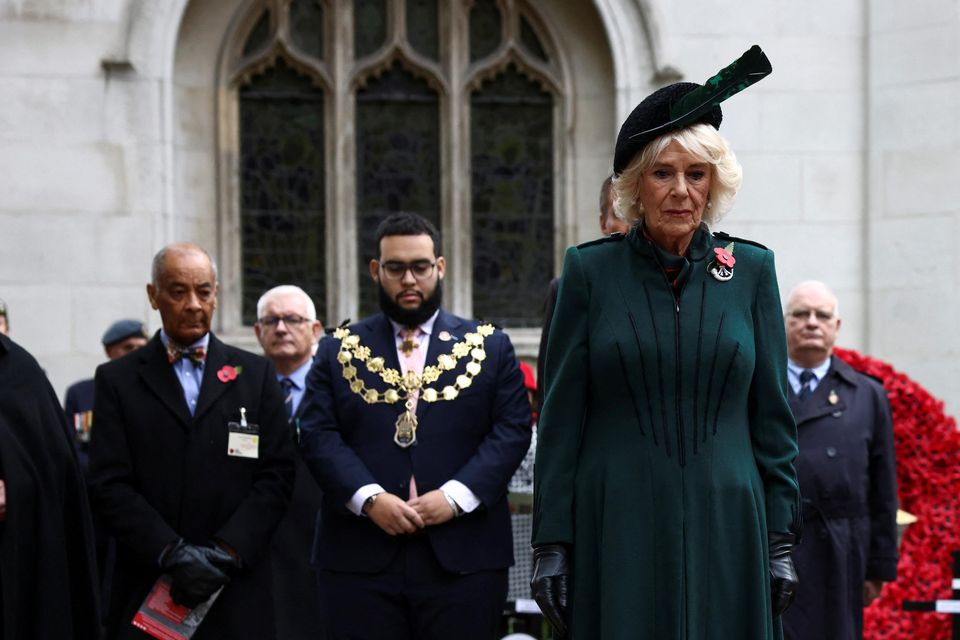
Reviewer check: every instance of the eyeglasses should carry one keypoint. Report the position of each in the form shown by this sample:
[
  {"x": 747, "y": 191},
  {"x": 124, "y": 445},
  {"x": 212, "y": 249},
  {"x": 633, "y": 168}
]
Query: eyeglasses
[
  {"x": 803, "y": 314},
  {"x": 421, "y": 269},
  {"x": 291, "y": 320}
]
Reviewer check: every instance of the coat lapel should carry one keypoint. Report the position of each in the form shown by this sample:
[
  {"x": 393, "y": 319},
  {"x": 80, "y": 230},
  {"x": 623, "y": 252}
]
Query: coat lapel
[
  {"x": 159, "y": 376},
  {"x": 211, "y": 388},
  {"x": 451, "y": 325},
  {"x": 818, "y": 404}
]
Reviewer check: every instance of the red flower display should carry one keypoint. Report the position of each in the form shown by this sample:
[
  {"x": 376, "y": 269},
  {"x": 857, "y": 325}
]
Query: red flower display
[
  {"x": 927, "y": 447},
  {"x": 724, "y": 257},
  {"x": 228, "y": 373}
]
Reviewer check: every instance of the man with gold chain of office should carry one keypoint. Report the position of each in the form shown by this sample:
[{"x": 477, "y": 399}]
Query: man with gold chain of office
[{"x": 414, "y": 420}]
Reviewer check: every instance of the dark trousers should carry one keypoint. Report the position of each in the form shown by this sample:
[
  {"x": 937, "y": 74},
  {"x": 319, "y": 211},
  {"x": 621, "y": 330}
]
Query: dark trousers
[{"x": 413, "y": 599}]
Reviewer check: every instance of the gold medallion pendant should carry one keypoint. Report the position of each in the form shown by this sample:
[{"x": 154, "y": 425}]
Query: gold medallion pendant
[{"x": 406, "y": 433}]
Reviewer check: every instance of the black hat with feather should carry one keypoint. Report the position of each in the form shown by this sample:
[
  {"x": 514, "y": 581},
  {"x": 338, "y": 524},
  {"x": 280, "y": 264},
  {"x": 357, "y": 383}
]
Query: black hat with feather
[{"x": 683, "y": 104}]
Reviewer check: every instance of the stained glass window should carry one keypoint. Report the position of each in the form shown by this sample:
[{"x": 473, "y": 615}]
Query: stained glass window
[
  {"x": 382, "y": 131},
  {"x": 398, "y": 161},
  {"x": 530, "y": 40},
  {"x": 511, "y": 142},
  {"x": 306, "y": 26},
  {"x": 369, "y": 26},
  {"x": 485, "y": 29},
  {"x": 282, "y": 210},
  {"x": 259, "y": 35},
  {"x": 422, "y": 27}
]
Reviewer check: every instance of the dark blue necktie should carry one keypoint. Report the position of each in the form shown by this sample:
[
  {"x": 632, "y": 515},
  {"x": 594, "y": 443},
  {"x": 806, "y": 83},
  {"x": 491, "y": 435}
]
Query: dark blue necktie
[
  {"x": 806, "y": 378},
  {"x": 287, "y": 385}
]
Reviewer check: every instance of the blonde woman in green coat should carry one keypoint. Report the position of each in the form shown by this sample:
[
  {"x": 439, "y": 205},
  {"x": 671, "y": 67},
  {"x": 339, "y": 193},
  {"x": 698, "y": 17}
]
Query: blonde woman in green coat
[{"x": 666, "y": 500}]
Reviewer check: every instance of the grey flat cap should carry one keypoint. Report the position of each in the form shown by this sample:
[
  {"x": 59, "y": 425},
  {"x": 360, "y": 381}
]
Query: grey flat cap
[{"x": 121, "y": 330}]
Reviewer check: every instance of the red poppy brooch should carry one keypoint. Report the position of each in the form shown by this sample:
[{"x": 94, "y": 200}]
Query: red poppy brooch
[
  {"x": 721, "y": 267},
  {"x": 228, "y": 373}
]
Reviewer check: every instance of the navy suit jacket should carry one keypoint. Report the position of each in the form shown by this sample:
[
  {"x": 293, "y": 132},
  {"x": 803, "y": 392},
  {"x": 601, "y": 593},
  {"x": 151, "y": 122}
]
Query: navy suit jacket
[{"x": 478, "y": 439}]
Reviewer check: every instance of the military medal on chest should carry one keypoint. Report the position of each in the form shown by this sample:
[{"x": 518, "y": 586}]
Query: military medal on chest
[
  {"x": 721, "y": 267},
  {"x": 408, "y": 386}
]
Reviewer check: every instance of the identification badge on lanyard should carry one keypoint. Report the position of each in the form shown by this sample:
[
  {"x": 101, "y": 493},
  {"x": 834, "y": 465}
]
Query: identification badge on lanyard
[{"x": 243, "y": 439}]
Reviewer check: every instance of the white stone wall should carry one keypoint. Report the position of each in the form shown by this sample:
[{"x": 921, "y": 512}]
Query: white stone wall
[
  {"x": 108, "y": 150},
  {"x": 79, "y": 179},
  {"x": 913, "y": 177}
]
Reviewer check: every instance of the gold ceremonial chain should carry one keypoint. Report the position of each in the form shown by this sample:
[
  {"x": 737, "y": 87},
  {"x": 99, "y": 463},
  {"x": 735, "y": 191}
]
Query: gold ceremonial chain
[{"x": 406, "y": 385}]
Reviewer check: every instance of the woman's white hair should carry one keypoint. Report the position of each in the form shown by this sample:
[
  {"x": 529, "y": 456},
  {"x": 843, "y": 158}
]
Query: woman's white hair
[{"x": 707, "y": 145}]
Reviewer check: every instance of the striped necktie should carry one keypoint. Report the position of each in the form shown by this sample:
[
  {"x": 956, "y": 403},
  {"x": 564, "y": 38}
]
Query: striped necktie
[
  {"x": 806, "y": 379},
  {"x": 287, "y": 385}
]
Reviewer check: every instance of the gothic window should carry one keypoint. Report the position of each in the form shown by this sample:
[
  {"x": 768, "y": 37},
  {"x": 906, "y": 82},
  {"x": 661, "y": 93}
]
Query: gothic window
[{"x": 349, "y": 110}]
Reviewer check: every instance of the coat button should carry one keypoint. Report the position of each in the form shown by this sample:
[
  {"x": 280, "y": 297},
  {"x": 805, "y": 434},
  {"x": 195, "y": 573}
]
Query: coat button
[{"x": 831, "y": 452}]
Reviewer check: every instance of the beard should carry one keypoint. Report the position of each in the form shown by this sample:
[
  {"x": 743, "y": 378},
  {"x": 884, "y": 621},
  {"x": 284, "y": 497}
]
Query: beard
[{"x": 411, "y": 317}]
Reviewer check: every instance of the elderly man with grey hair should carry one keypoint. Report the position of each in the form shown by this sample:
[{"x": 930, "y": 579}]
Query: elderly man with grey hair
[
  {"x": 191, "y": 465},
  {"x": 846, "y": 471},
  {"x": 288, "y": 330}
]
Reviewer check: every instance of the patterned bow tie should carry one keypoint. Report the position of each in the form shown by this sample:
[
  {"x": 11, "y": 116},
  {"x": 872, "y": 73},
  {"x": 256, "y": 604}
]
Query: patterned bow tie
[{"x": 196, "y": 355}]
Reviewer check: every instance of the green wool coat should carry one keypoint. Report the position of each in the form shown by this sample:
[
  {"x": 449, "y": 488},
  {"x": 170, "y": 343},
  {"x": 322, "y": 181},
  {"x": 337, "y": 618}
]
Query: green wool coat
[{"x": 666, "y": 445}]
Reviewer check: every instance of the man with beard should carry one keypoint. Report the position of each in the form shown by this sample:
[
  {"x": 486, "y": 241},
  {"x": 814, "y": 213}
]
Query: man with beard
[{"x": 415, "y": 420}]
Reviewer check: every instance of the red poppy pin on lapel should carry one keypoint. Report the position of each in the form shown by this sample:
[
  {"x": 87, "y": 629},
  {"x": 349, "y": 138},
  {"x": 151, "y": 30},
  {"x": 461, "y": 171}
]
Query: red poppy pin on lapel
[
  {"x": 722, "y": 266},
  {"x": 228, "y": 373}
]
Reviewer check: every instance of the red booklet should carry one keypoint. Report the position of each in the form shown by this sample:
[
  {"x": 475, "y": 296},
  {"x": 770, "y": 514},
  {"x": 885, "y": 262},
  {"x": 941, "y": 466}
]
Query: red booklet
[{"x": 162, "y": 618}]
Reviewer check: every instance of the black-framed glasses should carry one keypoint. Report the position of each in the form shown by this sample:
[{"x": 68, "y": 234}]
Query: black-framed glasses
[
  {"x": 421, "y": 269},
  {"x": 291, "y": 320}
]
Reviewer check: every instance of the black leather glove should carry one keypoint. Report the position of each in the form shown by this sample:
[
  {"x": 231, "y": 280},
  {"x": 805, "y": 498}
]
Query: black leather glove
[
  {"x": 550, "y": 583},
  {"x": 222, "y": 559},
  {"x": 194, "y": 577},
  {"x": 783, "y": 575}
]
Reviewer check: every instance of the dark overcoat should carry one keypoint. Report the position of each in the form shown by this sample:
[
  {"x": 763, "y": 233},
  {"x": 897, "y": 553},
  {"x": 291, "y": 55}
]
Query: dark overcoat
[
  {"x": 157, "y": 474},
  {"x": 295, "y": 595},
  {"x": 666, "y": 445},
  {"x": 849, "y": 487},
  {"x": 48, "y": 585},
  {"x": 478, "y": 439}
]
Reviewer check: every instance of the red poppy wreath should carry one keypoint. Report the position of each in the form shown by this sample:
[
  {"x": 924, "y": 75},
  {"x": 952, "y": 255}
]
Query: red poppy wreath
[{"x": 927, "y": 447}]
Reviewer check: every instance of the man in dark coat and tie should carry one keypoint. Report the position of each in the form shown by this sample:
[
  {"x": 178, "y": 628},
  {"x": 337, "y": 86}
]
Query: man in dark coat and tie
[
  {"x": 847, "y": 476},
  {"x": 191, "y": 464},
  {"x": 415, "y": 421},
  {"x": 288, "y": 330}
]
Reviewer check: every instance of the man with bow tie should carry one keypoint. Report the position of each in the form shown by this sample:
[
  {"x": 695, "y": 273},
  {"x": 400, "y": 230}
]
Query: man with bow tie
[
  {"x": 415, "y": 421},
  {"x": 191, "y": 463},
  {"x": 847, "y": 475}
]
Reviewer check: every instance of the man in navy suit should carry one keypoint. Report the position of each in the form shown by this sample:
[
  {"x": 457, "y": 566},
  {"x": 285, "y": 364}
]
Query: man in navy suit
[{"x": 415, "y": 524}]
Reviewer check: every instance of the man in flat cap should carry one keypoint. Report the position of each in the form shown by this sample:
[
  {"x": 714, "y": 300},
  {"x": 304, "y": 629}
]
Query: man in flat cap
[
  {"x": 191, "y": 466},
  {"x": 122, "y": 337}
]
